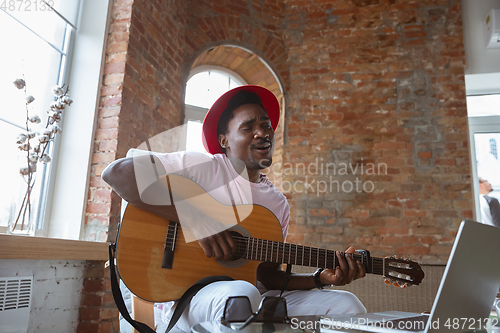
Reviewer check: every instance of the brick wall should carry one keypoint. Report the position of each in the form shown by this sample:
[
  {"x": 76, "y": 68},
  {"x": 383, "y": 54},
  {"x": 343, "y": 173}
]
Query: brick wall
[
  {"x": 98, "y": 312},
  {"x": 101, "y": 216},
  {"x": 377, "y": 83}
]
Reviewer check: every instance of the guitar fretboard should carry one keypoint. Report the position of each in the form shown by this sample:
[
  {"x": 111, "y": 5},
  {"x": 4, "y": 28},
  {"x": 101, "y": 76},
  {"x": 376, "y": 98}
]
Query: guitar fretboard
[{"x": 265, "y": 250}]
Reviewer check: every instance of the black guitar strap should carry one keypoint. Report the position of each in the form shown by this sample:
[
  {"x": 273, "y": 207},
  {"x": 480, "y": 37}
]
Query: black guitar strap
[
  {"x": 117, "y": 295},
  {"x": 189, "y": 294},
  {"x": 287, "y": 278}
]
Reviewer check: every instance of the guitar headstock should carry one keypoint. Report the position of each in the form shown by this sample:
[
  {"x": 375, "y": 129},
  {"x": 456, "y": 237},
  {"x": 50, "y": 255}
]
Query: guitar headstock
[{"x": 402, "y": 272}]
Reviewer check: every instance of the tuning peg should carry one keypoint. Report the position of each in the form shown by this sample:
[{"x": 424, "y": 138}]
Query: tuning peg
[
  {"x": 408, "y": 259},
  {"x": 399, "y": 284}
]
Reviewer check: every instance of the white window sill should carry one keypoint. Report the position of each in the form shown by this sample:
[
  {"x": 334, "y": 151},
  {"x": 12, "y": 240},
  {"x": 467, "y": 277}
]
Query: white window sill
[{"x": 25, "y": 247}]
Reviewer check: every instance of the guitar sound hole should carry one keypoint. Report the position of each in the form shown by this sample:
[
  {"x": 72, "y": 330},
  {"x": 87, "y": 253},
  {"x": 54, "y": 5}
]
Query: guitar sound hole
[{"x": 240, "y": 247}]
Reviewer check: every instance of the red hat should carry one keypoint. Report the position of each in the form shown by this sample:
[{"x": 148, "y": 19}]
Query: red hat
[{"x": 268, "y": 102}]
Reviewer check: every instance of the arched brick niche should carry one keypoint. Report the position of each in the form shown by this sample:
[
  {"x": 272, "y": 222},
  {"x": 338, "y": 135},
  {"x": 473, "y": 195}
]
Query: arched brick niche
[{"x": 254, "y": 70}]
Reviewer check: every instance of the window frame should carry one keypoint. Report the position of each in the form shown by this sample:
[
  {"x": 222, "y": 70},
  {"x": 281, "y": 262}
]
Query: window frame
[
  {"x": 478, "y": 125},
  {"x": 47, "y": 171},
  {"x": 66, "y": 204},
  {"x": 477, "y": 85}
]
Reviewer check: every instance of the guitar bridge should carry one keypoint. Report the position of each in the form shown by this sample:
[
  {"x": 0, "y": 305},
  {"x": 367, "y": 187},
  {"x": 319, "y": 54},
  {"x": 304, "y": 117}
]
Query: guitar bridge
[{"x": 169, "y": 247}]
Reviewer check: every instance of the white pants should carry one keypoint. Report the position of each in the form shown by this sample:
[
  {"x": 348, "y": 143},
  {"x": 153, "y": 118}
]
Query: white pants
[{"x": 208, "y": 304}]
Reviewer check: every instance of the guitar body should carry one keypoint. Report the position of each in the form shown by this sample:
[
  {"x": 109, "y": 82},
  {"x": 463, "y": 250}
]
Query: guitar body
[{"x": 140, "y": 251}]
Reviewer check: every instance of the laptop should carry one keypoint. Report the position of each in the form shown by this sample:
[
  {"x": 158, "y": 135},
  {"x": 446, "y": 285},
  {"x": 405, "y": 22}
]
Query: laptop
[{"x": 465, "y": 296}]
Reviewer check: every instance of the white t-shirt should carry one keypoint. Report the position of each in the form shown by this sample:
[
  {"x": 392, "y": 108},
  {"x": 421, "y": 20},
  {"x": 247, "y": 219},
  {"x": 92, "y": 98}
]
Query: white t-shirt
[{"x": 485, "y": 211}]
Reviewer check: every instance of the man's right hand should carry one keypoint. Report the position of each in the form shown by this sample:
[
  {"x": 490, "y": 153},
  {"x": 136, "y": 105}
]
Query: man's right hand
[{"x": 221, "y": 245}]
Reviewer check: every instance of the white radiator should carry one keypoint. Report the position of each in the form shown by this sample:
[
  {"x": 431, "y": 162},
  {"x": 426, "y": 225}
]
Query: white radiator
[{"x": 15, "y": 303}]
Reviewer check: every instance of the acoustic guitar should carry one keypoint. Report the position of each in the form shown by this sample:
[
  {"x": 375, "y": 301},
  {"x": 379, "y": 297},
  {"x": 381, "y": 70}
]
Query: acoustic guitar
[{"x": 157, "y": 264}]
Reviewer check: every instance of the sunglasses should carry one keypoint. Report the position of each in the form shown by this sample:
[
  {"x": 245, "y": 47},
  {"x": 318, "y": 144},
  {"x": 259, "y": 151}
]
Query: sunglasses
[{"x": 238, "y": 312}]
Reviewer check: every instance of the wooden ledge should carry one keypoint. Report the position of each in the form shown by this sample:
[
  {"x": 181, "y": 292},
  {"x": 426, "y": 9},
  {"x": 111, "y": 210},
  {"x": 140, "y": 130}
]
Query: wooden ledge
[{"x": 26, "y": 247}]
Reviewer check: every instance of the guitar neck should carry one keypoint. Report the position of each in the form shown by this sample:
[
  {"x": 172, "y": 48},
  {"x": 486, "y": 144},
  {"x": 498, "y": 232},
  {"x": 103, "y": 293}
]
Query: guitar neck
[{"x": 278, "y": 252}]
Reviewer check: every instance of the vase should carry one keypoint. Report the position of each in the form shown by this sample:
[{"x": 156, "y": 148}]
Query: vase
[{"x": 22, "y": 214}]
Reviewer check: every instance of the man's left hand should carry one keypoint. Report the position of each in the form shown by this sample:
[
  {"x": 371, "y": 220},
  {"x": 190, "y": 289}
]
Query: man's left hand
[{"x": 347, "y": 271}]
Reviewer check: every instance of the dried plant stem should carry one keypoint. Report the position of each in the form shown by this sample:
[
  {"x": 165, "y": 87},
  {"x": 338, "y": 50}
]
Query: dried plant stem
[
  {"x": 26, "y": 204},
  {"x": 36, "y": 153}
]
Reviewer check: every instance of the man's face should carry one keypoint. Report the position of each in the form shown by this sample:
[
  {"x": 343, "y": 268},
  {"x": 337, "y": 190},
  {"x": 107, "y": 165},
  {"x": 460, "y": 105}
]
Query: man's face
[
  {"x": 250, "y": 137},
  {"x": 484, "y": 186}
]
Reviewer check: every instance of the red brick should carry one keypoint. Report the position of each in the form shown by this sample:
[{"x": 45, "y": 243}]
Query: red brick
[
  {"x": 109, "y": 111},
  {"x": 89, "y": 313},
  {"x": 412, "y": 250},
  {"x": 111, "y": 122},
  {"x": 108, "y": 300},
  {"x": 92, "y": 285},
  {"x": 424, "y": 154},
  {"x": 99, "y": 169},
  {"x": 113, "y": 79},
  {"x": 103, "y": 157},
  {"x": 390, "y": 145},
  {"x": 319, "y": 212},
  {"x": 103, "y": 195},
  {"x": 87, "y": 327},
  {"x": 393, "y": 230},
  {"x": 445, "y": 161},
  {"x": 92, "y": 300},
  {"x": 108, "y": 145},
  {"x": 105, "y": 327},
  {"x": 108, "y": 313},
  {"x": 414, "y": 213},
  {"x": 97, "y": 208},
  {"x": 106, "y": 134},
  {"x": 111, "y": 90},
  {"x": 114, "y": 68},
  {"x": 114, "y": 100}
]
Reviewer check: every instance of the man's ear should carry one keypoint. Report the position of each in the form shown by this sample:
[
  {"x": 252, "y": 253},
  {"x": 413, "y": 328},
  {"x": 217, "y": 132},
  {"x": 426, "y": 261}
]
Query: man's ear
[{"x": 223, "y": 141}]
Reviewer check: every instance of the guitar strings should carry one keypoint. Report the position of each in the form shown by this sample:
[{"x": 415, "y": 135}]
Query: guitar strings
[
  {"x": 260, "y": 242},
  {"x": 328, "y": 256}
]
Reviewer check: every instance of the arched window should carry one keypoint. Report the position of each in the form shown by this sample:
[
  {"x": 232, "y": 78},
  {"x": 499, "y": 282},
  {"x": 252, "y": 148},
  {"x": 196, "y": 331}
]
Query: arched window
[
  {"x": 205, "y": 85},
  {"x": 493, "y": 148}
]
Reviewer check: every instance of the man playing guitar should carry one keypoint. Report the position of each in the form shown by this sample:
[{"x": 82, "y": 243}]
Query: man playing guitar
[{"x": 238, "y": 132}]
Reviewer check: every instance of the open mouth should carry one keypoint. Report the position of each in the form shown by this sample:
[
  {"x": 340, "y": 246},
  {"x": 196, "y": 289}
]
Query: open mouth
[{"x": 263, "y": 147}]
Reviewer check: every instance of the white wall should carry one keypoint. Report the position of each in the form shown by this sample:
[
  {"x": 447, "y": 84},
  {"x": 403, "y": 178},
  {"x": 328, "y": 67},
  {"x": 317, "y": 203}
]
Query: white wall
[
  {"x": 57, "y": 292},
  {"x": 479, "y": 59},
  {"x": 482, "y": 66}
]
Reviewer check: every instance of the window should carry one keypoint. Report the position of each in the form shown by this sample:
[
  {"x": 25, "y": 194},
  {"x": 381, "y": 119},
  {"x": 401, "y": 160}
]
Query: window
[
  {"x": 66, "y": 194},
  {"x": 493, "y": 148},
  {"x": 484, "y": 130},
  {"x": 36, "y": 38},
  {"x": 203, "y": 88}
]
